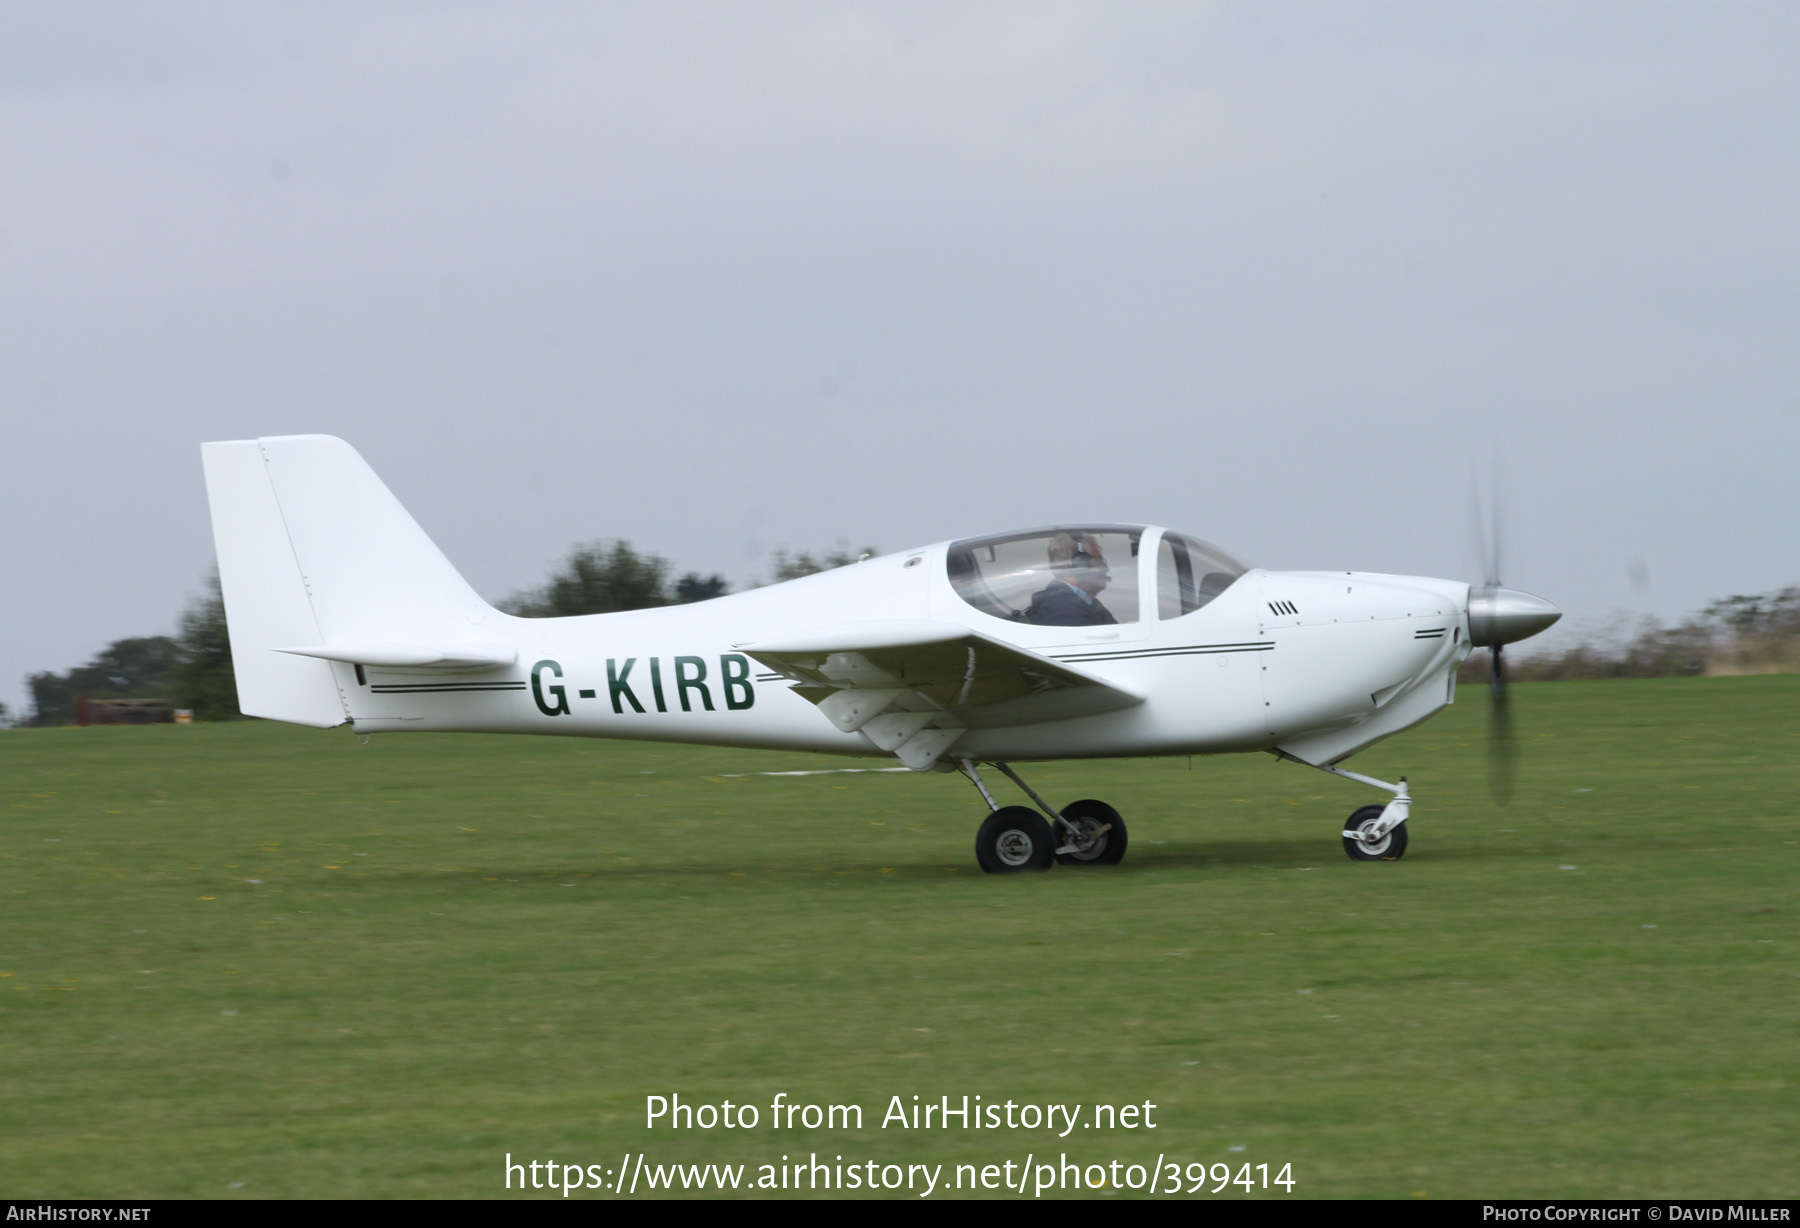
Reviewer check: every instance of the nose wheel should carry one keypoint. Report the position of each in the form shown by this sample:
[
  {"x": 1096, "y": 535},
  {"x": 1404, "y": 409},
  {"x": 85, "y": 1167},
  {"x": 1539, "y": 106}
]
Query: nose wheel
[
  {"x": 1373, "y": 833},
  {"x": 1364, "y": 839}
]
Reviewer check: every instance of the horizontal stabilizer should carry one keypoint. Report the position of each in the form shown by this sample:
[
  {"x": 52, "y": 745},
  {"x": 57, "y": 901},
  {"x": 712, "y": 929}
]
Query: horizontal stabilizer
[{"x": 412, "y": 656}]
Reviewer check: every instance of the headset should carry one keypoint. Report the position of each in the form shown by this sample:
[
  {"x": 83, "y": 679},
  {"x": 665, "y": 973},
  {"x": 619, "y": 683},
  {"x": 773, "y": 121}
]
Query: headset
[{"x": 1082, "y": 559}]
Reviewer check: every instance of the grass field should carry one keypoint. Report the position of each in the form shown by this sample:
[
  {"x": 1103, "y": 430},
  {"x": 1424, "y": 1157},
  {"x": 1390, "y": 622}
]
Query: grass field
[{"x": 257, "y": 961}]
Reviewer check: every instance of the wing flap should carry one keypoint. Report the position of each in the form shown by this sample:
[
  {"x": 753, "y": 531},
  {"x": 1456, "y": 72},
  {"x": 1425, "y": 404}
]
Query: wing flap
[{"x": 907, "y": 685}]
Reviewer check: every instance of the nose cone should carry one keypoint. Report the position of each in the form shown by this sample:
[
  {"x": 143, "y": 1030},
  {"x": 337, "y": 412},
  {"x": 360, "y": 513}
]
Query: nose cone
[{"x": 1505, "y": 615}]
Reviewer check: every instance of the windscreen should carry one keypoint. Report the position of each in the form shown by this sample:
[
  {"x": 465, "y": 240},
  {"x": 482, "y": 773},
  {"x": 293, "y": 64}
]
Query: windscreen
[{"x": 1190, "y": 573}]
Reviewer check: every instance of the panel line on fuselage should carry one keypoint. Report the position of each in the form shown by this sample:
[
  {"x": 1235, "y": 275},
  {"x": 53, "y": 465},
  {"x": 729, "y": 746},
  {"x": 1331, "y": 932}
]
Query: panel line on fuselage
[{"x": 1132, "y": 654}]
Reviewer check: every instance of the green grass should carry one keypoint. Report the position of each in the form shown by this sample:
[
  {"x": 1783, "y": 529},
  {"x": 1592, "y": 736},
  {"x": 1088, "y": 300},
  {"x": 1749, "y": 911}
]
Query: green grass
[{"x": 253, "y": 960}]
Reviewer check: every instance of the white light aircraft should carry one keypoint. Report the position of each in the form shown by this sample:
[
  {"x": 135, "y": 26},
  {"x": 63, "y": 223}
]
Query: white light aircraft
[{"x": 1067, "y": 642}]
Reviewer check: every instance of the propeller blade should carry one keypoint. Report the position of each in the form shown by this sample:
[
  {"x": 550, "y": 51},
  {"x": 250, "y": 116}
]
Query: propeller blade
[
  {"x": 1503, "y": 751},
  {"x": 1487, "y": 525}
]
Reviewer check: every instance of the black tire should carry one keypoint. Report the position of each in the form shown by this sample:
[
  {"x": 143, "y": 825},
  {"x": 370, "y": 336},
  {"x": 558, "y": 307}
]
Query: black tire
[
  {"x": 1012, "y": 839},
  {"x": 1105, "y": 850},
  {"x": 1392, "y": 847}
]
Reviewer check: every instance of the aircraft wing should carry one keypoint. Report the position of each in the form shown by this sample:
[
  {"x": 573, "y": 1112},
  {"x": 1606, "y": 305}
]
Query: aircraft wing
[{"x": 913, "y": 687}]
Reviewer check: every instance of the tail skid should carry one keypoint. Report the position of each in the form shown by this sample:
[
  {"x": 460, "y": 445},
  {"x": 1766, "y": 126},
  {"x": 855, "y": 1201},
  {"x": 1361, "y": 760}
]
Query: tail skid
[{"x": 323, "y": 569}]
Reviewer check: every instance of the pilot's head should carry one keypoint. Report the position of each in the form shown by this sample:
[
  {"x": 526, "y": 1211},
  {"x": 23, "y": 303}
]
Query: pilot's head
[{"x": 1076, "y": 558}]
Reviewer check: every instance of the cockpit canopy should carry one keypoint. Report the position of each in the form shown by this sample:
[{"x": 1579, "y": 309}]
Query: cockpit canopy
[{"x": 1085, "y": 575}]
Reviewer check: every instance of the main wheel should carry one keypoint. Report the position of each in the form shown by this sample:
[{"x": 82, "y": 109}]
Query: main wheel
[
  {"x": 1094, "y": 847},
  {"x": 1390, "y": 847},
  {"x": 1014, "y": 838}
]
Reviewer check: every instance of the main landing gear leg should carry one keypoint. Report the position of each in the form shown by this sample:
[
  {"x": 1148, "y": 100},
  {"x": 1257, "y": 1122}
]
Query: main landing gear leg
[
  {"x": 1014, "y": 838},
  {"x": 1372, "y": 833}
]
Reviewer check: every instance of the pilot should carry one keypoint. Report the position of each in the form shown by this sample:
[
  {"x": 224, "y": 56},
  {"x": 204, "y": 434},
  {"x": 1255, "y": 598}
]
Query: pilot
[{"x": 1073, "y": 598}]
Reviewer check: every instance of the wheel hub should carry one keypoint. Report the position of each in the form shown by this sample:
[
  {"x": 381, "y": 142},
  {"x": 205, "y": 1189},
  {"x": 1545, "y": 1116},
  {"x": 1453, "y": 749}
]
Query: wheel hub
[
  {"x": 1014, "y": 848},
  {"x": 1374, "y": 843},
  {"x": 1090, "y": 835}
]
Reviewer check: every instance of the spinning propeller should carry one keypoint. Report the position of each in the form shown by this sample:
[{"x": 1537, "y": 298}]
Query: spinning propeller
[{"x": 1497, "y": 617}]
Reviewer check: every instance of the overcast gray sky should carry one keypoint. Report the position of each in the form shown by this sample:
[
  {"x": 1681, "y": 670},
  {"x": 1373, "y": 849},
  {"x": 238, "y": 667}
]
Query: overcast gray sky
[{"x": 719, "y": 277}]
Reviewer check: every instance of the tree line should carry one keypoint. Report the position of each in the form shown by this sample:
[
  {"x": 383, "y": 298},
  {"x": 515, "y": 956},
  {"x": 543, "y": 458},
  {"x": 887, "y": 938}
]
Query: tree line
[
  {"x": 192, "y": 668},
  {"x": 1754, "y": 634}
]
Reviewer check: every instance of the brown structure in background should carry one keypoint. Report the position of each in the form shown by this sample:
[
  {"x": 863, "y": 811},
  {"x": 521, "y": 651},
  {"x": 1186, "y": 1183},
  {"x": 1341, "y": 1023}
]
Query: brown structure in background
[{"x": 123, "y": 711}]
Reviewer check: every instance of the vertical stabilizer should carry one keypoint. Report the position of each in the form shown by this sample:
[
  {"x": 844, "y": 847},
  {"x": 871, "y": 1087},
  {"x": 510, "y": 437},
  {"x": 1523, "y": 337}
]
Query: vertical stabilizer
[{"x": 314, "y": 549}]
